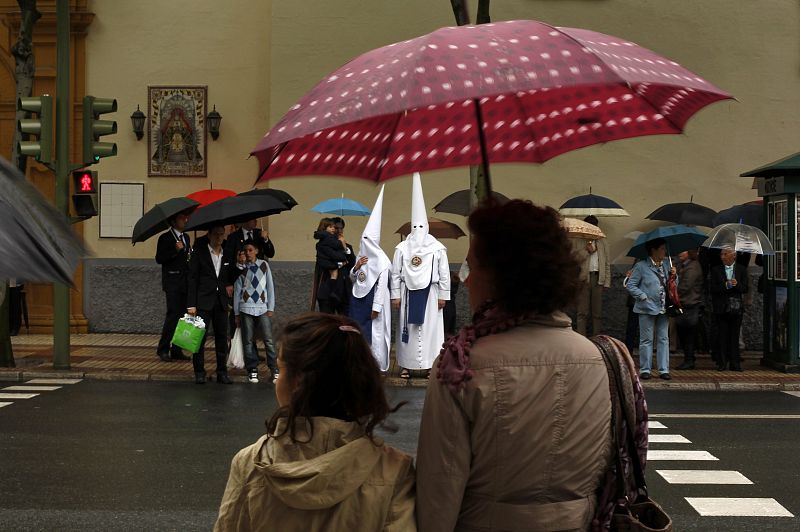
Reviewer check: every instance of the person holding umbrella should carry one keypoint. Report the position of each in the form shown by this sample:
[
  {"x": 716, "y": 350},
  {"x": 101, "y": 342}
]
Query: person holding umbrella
[
  {"x": 595, "y": 277},
  {"x": 728, "y": 283},
  {"x": 172, "y": 253},
  {"x": 648, "y": 286},
  {"x": 690, "y": 290}
]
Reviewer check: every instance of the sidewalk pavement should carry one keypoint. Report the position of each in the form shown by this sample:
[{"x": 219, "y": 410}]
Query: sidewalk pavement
[{"x": 133, "y": 357}]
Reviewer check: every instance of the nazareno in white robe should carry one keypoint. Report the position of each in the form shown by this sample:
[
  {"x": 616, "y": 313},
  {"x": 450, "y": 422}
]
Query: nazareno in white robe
[
  {"x": 381, "y": 343},
  {"x": 424, "y": 341}
]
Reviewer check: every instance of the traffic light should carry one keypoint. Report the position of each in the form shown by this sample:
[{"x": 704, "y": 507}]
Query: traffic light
[
  {"x": 41, "y": 127},
  {"x": 84, "y": 193},
  {"x": 94, "y": 128}
]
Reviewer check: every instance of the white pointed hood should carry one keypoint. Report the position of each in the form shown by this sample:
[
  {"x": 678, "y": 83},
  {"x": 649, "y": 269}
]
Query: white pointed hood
[
  {"x": 419, "y": 246},
  {"x": 370, "y": 247}
]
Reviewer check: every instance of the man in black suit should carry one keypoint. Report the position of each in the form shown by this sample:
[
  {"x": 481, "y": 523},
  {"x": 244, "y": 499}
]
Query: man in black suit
[
  {"x": 249, "y": 231},
  {"x": 209, "y": 296},
  {"x": 727, "y": 284},
  {"x": 172, "y": 253}
]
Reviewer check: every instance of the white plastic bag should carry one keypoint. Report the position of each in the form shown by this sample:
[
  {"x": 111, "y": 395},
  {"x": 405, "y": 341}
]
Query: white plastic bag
[{"x": 236, "y": 354}]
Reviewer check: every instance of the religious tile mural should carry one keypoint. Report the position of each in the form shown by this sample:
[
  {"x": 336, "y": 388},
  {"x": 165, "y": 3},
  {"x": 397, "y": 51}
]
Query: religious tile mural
[{"x": 176, "y": 133}]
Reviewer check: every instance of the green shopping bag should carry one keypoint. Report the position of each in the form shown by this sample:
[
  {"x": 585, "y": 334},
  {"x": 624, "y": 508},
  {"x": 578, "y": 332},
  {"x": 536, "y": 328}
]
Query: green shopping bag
[{"x": 189, "y": 333}]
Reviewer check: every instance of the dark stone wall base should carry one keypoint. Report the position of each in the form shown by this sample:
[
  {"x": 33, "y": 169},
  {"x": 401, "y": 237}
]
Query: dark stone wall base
[{"x": 125, "y": 296}]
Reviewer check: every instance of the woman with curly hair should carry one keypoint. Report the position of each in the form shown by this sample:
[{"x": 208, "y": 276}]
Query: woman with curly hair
[
  {"x": 320, "y": 467},
  {"x": 515, "y": 431}
]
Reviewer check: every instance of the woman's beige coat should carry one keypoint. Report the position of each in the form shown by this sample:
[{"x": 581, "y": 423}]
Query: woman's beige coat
[
  {"x": 340, "y": 480},
  {"x": 524, "y": 445}
]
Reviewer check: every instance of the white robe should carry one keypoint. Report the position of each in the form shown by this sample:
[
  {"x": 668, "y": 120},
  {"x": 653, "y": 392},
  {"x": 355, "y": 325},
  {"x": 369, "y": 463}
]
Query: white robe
[
  {"x": 424, "y": 341},
  {"x": 382, "y": 325}
]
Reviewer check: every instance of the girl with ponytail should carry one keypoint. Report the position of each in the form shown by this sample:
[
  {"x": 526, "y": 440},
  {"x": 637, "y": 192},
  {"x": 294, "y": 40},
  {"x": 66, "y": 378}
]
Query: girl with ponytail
[{"x": 320, "y": 466}]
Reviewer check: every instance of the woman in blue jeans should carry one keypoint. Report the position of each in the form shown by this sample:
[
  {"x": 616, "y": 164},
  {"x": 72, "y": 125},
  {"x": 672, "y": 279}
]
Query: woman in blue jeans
[{"x": 648, "y": 286}]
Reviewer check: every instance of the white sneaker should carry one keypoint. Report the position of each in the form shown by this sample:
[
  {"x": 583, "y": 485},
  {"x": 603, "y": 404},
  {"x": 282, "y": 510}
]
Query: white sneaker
[
  {"x": 274, "y": 377},
  {"x": 253, "y": 377}
]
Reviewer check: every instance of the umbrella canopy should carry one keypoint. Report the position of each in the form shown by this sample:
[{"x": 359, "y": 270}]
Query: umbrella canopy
[
  {"x": 579, "y": 229},
  {"x": 341, "y": 206},
  {"x": 436, "y": 227},
  {"x": 591, "y": 205},
  {"x": 741, "y": 238},
  {"x": 510, "y": 91},
  {"x": 155, "y": 220},
  {"x": 210, "y": 195},
  {"x": 685, "y": 214},
  {"x": 234, "y": 210},
  {"x": 679, "y": 238},
  {"x": 751, "y": 213},
  {"x": 37, "y": 241},
  {"x": 280, "y": 195},
  {"x": 458, "y": 202}
]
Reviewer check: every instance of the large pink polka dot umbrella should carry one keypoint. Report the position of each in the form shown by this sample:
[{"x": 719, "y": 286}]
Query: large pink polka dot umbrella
[{"x": 503, "y": 92}]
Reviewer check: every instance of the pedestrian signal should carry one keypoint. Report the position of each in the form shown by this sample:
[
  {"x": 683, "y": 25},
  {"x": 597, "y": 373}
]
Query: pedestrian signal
[{"x": 84, "y": 193}]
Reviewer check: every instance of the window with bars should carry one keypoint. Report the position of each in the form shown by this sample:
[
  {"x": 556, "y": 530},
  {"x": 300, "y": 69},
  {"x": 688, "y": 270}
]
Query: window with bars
[{"x": 779, "y": 234}]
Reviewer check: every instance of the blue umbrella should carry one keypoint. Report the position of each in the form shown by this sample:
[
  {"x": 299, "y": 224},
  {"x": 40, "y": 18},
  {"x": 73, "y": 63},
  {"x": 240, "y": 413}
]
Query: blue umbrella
[
  {"x": 589, "y": 204},
  {"x": 341, "y": 206},
  {"x": 679, "y": 238}
]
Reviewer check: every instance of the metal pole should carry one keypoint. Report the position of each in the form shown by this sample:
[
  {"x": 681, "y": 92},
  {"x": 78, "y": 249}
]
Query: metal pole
[{"x": 61, "y": 310}]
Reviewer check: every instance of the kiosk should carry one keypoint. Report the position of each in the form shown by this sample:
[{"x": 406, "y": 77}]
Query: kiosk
[{"x": 779, "y": 185}]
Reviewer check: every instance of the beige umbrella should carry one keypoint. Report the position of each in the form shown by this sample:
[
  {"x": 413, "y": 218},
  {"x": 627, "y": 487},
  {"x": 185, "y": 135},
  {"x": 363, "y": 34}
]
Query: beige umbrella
[{"x": 579, "y": 229}]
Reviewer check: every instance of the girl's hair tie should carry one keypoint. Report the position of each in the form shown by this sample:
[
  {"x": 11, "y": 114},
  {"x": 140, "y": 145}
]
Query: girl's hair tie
[{"x": 348, "y": 328}]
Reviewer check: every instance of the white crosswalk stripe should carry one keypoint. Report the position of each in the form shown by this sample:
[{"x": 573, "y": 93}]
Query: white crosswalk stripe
[
  {"x": 702, "y": 476},
  {"x": 667, "y": 438},
  {"x": 655, "y": 425},
  {"x": 34, "y": 387},
  {"x": 30, "y": 388},
  {"x": 17, "y": 395},
  {"x": 738, "y": 507},
  {"x": 796, "y": 394},
  {"x": 653, "y": 455}
]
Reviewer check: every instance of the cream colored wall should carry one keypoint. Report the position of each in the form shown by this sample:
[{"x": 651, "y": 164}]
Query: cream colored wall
[
  {"x": 749, "y": 48},
  {"x": 224, "y": 45}
]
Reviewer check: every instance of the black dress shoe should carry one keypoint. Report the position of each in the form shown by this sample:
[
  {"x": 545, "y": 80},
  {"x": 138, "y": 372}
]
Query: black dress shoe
[
  {"x": 645, "y": 376},
  {"x": 686, "y": 365},
  {"x": 164, "y": 357},
  {"x": 180, "y": 356},
  {"x": 721, "y": 367},
  {"x": 665, "y": 376},
  {"x": 737, "y": 367},
  {"x": 222, "y": 378},
  {"x": 199, "y": 377}
]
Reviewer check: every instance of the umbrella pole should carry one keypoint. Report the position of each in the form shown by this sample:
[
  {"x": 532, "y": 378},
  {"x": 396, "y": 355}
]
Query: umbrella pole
[{"x": 483, "y": 186}]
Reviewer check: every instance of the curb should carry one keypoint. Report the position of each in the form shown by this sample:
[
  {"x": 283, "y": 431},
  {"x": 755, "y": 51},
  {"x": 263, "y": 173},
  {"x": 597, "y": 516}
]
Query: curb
[{"x": 393, "y": 382}]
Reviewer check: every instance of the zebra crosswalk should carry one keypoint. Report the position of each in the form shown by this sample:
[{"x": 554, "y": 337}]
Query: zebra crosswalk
[
  {"x": 709, "y": 506},
  {"x": 32, "y": 388}
]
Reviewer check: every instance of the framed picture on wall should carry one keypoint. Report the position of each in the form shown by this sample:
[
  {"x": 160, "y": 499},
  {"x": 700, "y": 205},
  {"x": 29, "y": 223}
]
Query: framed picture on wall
[
  {"x": 176, "y": 131},
  {"x": 121, "y": 206}
]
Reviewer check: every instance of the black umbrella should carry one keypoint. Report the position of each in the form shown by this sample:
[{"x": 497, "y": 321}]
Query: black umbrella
[
  {"x": 234, "y": 210},
  {"x": 155, "y": 220},
  {"x": 685, "y": 214},
  {"x": 751, "y": 213},
  {"x": 280, "y": 195},
  {"x": 458, "y": 202},
  {"x": 37, "y": 241}
]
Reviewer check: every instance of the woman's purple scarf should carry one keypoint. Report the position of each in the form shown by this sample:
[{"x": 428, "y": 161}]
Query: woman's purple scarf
[{"x": 453, "y": 366}]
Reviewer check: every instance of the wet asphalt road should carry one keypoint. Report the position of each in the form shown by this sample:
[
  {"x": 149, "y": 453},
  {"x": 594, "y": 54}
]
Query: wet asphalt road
[{"x": 155, "y": 456}]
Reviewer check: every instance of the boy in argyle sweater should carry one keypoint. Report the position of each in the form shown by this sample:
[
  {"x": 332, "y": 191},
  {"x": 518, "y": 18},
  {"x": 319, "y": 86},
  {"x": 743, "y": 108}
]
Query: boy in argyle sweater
[{"x": 253, "y": 305}]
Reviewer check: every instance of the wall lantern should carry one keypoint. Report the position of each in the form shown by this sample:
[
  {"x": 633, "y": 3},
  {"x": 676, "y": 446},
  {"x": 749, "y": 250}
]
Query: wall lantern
[
  {"x": 212, "y": 120},
  {"x": 137, "y": 119}
]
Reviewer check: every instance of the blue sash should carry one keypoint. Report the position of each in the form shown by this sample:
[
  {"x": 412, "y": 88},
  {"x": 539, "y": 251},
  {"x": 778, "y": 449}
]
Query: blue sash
[
  {"x": 416, "y": 304},
  {"x": 361, "y": 312}
]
